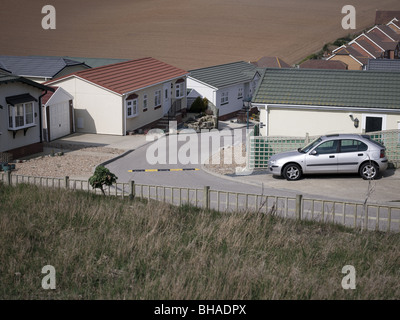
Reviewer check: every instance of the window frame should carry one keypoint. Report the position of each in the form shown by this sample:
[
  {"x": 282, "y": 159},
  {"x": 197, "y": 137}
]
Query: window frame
[
  {"x": 224, "y": 98},
  {"x": 240, "y": 93},
  {"x": 157, "y": 98},
  {"x": 12, "y": 115},
  {"x": 133, "y": 107},
  {"x": 179, "y": 90},
  {"x": 144, "y": 102}
]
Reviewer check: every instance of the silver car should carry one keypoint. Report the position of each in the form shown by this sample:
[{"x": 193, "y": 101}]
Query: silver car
[{"x": 338, "y": 153}]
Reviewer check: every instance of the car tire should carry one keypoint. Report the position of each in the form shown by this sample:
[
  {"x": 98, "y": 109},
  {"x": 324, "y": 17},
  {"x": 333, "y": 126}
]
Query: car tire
[
  {"x": 292, "y": 172},
  {"x": 369, "y": 171}
]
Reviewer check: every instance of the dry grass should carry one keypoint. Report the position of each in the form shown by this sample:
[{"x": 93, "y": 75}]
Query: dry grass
[{"x": 107, "y": 248}]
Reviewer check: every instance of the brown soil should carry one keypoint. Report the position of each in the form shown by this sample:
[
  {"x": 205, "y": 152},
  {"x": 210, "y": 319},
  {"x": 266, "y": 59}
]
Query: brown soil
[{"x": 188, "y": 34}]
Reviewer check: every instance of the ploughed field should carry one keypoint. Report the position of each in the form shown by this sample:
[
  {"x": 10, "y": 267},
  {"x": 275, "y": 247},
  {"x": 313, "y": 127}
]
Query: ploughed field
[{"x": 188, "y": 34}]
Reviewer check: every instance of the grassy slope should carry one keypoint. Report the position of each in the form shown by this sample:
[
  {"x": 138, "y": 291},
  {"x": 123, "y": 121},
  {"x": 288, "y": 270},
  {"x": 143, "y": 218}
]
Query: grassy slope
[{"x": 106, "y": 248}]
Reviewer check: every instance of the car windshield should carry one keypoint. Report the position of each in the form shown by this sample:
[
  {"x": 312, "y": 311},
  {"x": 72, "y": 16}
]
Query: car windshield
[{"x": 309, "y": 146}]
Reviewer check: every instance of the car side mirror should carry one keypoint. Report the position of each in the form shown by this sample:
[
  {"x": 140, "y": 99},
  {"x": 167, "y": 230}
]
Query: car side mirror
[{"x": 314, "y": 152}]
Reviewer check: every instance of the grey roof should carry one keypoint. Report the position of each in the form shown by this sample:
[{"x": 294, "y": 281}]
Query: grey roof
[
  {"x": 36, "y": 66},
  {"x": 338, "y": 88},
  {"x": 6, "y": 77},
  {"x": 225, "y": 74},
  {"x": 392, "y": 65},
  {"x": 96, "y": 62}
]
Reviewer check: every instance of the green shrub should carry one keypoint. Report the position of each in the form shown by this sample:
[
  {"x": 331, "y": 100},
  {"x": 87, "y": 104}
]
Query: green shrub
[
  {"x": 102, "y": 177},
  {"x": 199, "y": 105}
]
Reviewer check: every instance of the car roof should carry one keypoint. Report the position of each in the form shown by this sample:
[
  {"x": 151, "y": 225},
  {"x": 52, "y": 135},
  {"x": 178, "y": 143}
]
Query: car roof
[{"x": 344, "y": 136}]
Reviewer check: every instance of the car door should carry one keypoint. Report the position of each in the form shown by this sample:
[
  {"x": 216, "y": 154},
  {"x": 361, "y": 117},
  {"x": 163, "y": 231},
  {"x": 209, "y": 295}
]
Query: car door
[
  {"x": 323, "y": 158},
  {"x": 352, "y": 153}
]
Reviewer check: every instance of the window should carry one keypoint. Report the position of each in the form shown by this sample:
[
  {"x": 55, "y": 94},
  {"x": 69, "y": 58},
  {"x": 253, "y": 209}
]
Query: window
[
  {"x": 240, "y": 93},
  {"x": 224, "y": 98},
  {"x": 145, "y": 102},
  {"x": 131, "y": 108},
  {"x": 349, "y": 145},
  {"x": 327, "y": 147},
  {"x": 179, "y": 90},
  {"x": 21, "y": 115},
  {"x": 373, "y": 122},
  {"x": 398, "y": 127},
  {"x": 157, "y": 98}
]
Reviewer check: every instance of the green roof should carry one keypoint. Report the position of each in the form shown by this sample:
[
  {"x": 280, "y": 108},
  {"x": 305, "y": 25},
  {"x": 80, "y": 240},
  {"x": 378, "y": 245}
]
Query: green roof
[
  {"x": 225, "y": 74},
  {"x": 337, "y": 88}
]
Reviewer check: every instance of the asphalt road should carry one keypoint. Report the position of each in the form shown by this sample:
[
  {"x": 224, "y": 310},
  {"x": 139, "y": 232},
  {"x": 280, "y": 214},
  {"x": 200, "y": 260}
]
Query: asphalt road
[
  {"x": 187, "y": 154},
  {"x": 190, "y": 153}
]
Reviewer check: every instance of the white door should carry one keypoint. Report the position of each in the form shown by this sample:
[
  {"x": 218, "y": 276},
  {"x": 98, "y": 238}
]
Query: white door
[
  {"x": 166, "y": 97},
  {"x": 59, "y": 120}
]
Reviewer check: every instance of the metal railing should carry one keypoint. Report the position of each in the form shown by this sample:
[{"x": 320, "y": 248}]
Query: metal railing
[{"x": 351, "y": 214}]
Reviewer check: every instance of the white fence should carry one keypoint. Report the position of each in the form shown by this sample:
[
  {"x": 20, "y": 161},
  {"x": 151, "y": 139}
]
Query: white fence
[{"x": 350, "y": 214}]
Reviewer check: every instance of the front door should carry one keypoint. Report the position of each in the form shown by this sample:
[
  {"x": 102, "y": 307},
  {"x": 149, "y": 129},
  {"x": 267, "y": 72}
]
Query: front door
[{"x": 166, "y": 96}]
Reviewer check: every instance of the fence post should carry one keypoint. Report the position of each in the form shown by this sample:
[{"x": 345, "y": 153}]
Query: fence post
[
  {"x": 9, "y": 177},
  {"x": 206, "y": 197},
  {"x": 132, "y": 191},
  {"x": 66, "y": 182},
  {"x": 299, "y": 200}
]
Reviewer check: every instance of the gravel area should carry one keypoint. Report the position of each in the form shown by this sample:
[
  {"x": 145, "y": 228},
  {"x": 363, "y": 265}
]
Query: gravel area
[
  {"x": 227, "y": 160},
  {"x": 73, "y": 163}
]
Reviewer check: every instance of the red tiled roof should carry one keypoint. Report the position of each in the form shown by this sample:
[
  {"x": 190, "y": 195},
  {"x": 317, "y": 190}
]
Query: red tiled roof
[
  {"x": 384, "y": 43},
  {"x": 323, "y": 64},
  {"x": 270, "y": 62},
  {"x": 129, "y": 76},
  {"x": 48, "y": 95},
  {"x": 369, "y": 46},
  {"x": 350, "y": 50},
  {"x": 390, "y": 32}
]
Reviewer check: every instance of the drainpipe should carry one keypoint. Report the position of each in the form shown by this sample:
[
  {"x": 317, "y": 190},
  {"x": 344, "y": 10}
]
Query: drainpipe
[
  {"x": 40, "y": 116},
  {"x": 123, "y": 116}
]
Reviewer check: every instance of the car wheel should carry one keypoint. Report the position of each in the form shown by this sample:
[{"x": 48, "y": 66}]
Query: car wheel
[
  {"x": 369, "y": 171},
  {"x": 292, "y": 172}
]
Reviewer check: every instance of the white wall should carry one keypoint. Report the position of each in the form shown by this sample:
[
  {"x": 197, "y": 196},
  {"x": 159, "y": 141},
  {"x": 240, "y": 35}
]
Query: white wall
[
  {"x": 96, "y": 109},
  {"x": 291, "y": 122},
  {"x": 7, "y": 142},
  {"x": 204, "y": 90},
  {"x": 234, "y": 104},
  {"x": 214, "y": 95}
]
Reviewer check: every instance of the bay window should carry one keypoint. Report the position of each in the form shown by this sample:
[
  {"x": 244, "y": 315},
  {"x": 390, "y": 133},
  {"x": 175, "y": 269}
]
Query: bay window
[{"x": 21, "y": 115}]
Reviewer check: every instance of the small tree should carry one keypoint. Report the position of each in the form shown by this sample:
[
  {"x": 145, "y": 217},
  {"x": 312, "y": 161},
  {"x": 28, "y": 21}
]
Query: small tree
[
  {"x": 198, "y": 105},
  {"x": 102, "y": 177}
]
